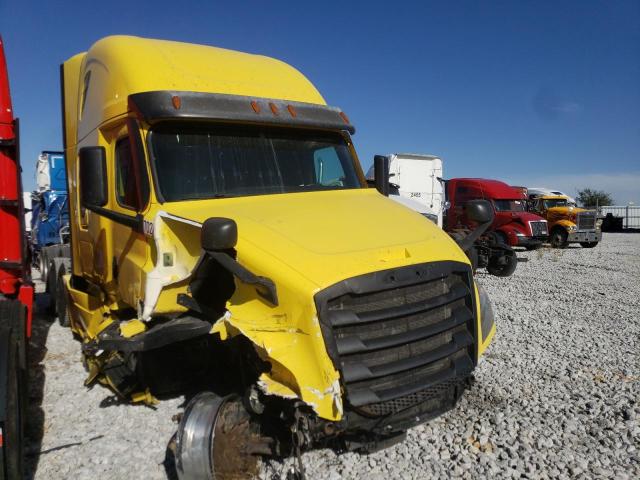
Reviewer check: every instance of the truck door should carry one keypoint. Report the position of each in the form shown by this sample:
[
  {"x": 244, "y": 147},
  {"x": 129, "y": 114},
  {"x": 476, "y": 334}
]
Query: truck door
[{"x": 130, "y": 248}]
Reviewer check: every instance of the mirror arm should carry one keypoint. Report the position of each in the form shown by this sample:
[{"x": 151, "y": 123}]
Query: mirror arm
[
  {"x": 266, "y": 288},
  {"x": 467, "y": 242}
]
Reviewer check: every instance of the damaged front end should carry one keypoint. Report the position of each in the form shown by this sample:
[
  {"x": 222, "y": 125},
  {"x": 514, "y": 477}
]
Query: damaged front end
[{"x": 292, "y": 367}]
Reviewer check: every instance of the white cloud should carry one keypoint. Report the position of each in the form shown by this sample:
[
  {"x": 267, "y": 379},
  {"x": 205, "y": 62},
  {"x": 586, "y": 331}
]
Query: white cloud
[{"x": 623, "y": 187}]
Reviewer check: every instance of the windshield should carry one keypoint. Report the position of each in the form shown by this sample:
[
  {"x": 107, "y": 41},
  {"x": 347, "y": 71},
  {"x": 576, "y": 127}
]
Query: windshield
[
  {"x": 509, "y": 205},
  {"x": 213, "y": 161},
  {"x": 556, "y": 202}
]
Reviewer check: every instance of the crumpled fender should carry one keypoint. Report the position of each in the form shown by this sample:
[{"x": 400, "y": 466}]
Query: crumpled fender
[{"x": 294, "y": 347}]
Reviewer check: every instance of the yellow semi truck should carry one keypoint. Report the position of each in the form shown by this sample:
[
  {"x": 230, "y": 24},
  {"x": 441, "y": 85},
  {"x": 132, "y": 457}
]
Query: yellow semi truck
[
  {"x": 567, "y": 223},
  {"x": 224, "y": 242}
]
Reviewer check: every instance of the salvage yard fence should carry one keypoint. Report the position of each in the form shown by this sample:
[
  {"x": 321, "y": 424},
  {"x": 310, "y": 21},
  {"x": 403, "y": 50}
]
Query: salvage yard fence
[{"x": 630, "y": 214}]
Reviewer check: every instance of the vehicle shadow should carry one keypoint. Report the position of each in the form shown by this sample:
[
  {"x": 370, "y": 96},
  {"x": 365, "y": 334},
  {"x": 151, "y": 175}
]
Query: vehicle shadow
[{"x": 35, "y": 417}]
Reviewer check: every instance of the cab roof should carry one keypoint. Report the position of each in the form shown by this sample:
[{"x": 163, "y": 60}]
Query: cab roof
[
  {"x": 118, "y": 66},
  {"x": 492, "y": 188}
]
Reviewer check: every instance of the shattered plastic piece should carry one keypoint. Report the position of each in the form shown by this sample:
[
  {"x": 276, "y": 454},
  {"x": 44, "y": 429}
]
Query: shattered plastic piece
[
  {"x": 132, "y": 328},
  {"x": 144, "y": 397}
]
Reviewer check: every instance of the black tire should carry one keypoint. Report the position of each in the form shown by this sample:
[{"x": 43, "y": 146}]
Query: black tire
[
  {"x": 558, "y": 238},
  {"x": 61, "y": 297},
  {"x": 52, "y": 282},
  {"x": 43, "y": 263},
  {"x": 504, "y": 269},
  {"x": 12, "y": 316},
  {"x": 588, "y": 244}
]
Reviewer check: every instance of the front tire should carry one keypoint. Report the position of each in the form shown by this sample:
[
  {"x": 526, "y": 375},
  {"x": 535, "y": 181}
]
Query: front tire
[
  {"x": 211, "y": 437},
  {"x": 588, "y": 244},
  {"x": 61, "y": 298},
  {"x": 559, "y": 238},
  {"x": 503, "y": 268}
]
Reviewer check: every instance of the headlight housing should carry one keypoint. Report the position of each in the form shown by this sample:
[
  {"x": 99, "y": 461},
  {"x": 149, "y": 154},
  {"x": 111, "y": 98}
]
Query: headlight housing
[{"x": 572, "y": 228}]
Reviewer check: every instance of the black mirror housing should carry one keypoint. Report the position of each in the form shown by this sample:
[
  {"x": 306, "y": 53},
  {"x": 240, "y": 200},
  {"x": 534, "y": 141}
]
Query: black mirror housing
[
  {"x": 479, "y": 211},
  {"x": 381, "y": 174},
  {"x": 219, "y": 234},
  {"x": 93, "y": 176}
]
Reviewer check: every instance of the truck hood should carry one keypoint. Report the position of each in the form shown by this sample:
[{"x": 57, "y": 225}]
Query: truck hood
[
  {"x": 325, "y": 236},
  {"x": 515, "y": 218},
  {"x": 560, "y": 213}
]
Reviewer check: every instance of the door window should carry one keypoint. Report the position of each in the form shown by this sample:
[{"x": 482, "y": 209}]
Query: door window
[{"x": 127, "y": 185}]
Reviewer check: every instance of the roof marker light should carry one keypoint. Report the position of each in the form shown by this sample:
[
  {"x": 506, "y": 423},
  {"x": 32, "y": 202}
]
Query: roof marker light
[
  {"x": 292, "y": 111},
  {"x": 273, "y": 108},
  {"x": 345, "y": 118},
  {"x": 177, "y": 103},
  {"x": 255, "y": 106}
]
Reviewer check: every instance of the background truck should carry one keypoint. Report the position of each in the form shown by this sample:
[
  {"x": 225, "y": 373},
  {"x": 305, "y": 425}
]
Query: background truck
[
  {"x": 567, "y": 223},
  {"x": 416, "y": 182},
  {"x": 224, "y": 240},
  {"x": 16, "y": 291},
  {"x": 512, "y": 224},
  {"x": 49, "y": 213}
]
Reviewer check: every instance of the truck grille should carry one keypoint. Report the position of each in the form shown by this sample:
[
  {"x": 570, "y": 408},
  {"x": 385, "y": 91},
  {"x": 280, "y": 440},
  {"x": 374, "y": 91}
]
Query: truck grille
[
  {"x": 586, "y": 221},
  {"x": 401, "y": 337},
  {"x": 539, "y": 228}
]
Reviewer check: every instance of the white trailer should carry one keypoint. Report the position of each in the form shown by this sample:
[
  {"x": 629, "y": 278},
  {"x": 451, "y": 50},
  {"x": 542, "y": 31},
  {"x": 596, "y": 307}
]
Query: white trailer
[{"x": 419, "y": 179}]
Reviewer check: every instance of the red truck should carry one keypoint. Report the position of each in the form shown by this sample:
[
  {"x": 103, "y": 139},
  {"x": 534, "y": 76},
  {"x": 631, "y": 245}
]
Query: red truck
[
  {"x": 512, "y": 225},
  {"x": 16, "y": 291}
]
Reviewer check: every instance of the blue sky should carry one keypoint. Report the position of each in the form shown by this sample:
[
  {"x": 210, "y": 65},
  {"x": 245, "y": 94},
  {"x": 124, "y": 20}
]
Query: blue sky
[{"x": 534, "y": 93}]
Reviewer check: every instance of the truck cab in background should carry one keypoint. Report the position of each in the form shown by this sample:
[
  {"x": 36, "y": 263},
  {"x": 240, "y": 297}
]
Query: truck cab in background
[
  {"x": 513, "y": 225},
  {"x": 49, "y": 212},
  {"x": 416, "y": 182},
  {"x": 567, "y": 223}
]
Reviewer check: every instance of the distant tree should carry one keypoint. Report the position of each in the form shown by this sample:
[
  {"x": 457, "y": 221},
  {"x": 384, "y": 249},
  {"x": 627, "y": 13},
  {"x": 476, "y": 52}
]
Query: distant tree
[{"x": 591, "y": 198}]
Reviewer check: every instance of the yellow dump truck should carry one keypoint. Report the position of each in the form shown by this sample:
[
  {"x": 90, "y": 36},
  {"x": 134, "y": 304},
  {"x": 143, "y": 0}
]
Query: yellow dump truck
[
  {"x": 224, "y": 241},
  {"x": 567, "y": 223}
]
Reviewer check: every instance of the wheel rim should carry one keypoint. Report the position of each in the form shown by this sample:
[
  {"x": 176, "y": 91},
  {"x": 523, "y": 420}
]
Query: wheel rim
[{"x": 211, "y": 437}]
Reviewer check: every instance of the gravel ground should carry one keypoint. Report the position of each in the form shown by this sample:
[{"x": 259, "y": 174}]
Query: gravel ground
[{"x": 557, "y": 395}]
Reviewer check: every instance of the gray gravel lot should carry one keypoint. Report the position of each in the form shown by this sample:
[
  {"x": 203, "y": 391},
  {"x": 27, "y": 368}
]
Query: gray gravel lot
[{"x": 557, "y": 395}]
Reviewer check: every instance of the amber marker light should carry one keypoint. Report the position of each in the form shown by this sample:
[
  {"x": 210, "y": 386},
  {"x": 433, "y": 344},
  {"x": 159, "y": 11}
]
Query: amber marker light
[
  {"x": 255, "y": 106},
  {"x": 292, "y": 111},
  {"x": 177, "y": 103},
  {"x": 344, "y": 117},
  {"x": 273, "y": 108}
]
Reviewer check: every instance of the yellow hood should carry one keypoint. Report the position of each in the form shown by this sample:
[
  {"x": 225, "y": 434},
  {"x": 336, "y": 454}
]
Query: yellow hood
[{"x": 327, "y": 236}]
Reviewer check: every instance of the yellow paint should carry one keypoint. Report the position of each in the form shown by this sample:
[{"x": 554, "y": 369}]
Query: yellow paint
[
  {"x": 132, "y": 328},
  {"x": 304, "y": 242}
]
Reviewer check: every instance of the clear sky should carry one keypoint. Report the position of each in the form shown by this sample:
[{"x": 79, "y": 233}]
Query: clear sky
[{"x": 537, "y": 93}]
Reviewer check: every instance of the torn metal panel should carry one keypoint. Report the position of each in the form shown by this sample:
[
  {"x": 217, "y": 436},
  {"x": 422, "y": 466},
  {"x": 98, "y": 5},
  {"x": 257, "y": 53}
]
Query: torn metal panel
[
  {"x": 300, "y": 367},
  {"x": 176, "y": 256}
]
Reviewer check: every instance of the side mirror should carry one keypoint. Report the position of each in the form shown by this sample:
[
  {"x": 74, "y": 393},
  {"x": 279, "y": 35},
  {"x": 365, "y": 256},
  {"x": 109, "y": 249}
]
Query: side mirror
[
  {"x": 219, "y": 234},
  {"x": 479, "y": 211},
  {"x": 93, "y": 176},
  {"x": 381, "y": 174}
]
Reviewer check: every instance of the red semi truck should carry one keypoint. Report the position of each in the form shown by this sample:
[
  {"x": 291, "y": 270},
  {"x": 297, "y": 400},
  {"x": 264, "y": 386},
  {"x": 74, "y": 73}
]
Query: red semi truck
[
  {"x": 512, "y": 224},
  {"x": 16, "y": 291}
]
